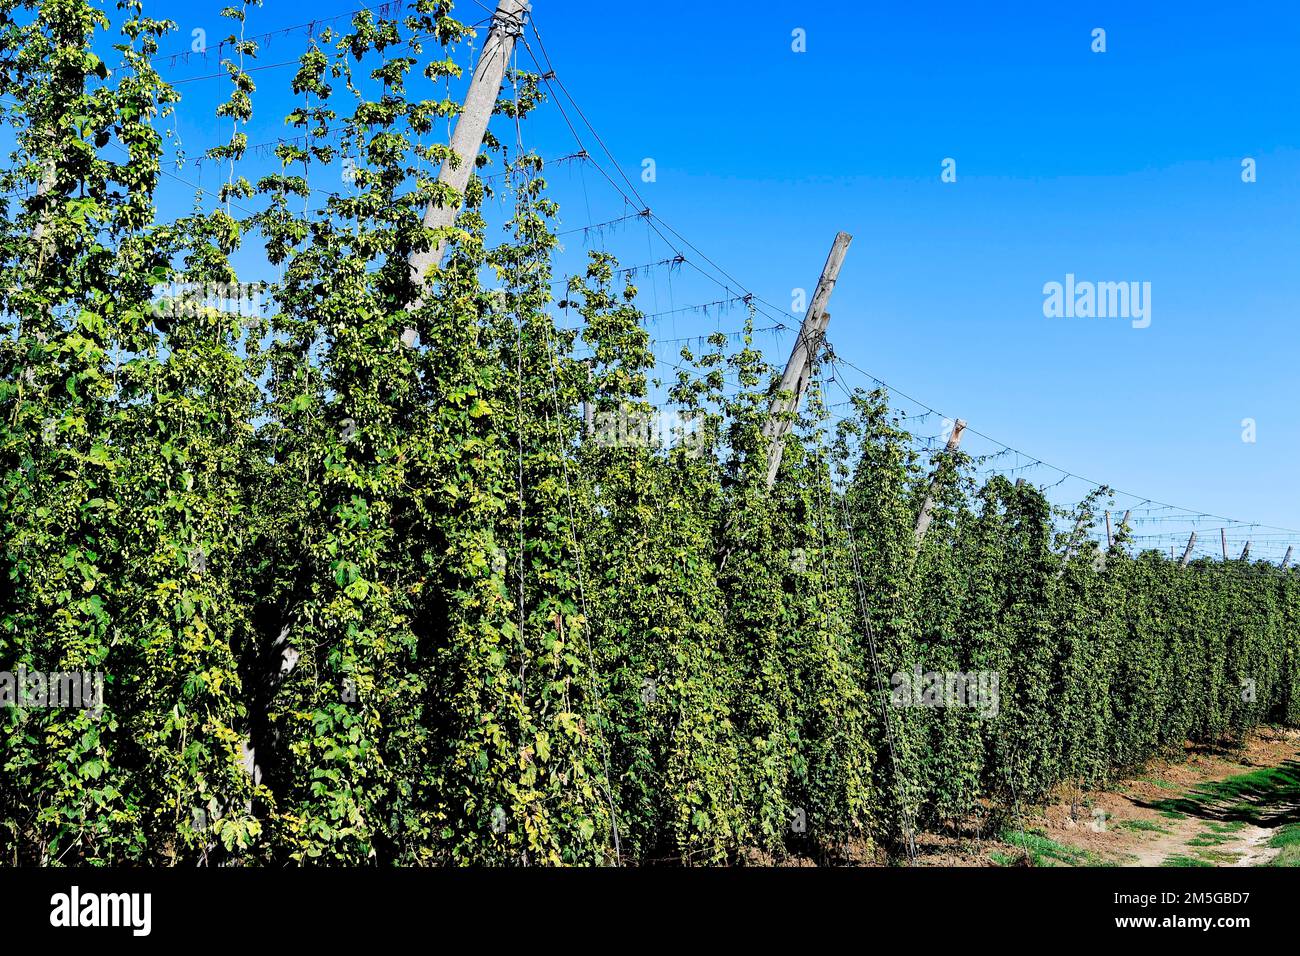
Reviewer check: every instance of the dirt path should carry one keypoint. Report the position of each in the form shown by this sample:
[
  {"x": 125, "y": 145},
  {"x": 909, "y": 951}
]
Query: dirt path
[
  {"x": 1256, "y": 851},
  {"x": 1213, "y": 808},
  {"x": 1246, "y": 847}
]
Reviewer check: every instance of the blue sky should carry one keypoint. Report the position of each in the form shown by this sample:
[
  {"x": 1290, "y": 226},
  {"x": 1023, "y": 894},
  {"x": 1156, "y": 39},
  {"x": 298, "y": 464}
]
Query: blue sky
[{"x": 1115, "y": 166}]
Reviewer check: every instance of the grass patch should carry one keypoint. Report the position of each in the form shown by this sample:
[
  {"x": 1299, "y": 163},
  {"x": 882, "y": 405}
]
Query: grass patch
[
  {"x": 1046, "y": 852},
  {"x": 1149, "y": 826},
  {"x": 1226, "y": 826},
  {"x": 1184, "y": 861},
  {"x": 1169, "y": 814},
  {"x": 1287, "y": 840},
  {"x": 1162, "y": 784},
  {"x": 1247, "y": 797},
  {"x": 1210, "y": 839},
  {"x": 1289, "y": 835},
  {"x": 1217, "y": 856}
]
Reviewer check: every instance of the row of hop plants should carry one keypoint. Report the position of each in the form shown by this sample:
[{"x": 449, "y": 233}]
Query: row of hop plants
[{"x": 365, "y": 589}]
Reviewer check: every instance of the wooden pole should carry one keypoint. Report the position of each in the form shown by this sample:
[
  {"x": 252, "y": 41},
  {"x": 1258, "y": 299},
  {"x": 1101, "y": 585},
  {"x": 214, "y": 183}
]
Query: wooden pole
[
  {"x": 1245, "y": 552},
  {"x": 466, "y": 141},
  {"x": 1286, "y": 558},
  {"x": 42, "y": 190},
  {"x": 467, "y": 138},
  {"x": 589, "y": 404},
  {"x": 1187, "y": 553},
  {"x": 1100, "y": 563},
  {"x": 1223, "y": 540},
  {"x": 794, "y": 380},
  {"x": 927, "y": 507}
]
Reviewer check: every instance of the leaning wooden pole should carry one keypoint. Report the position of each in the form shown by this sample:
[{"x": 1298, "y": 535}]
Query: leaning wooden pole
[
  {"x": 1187, "y": 552},
  {"x": 794, "y": 381},
  {"x": 1286, "y": 558},
  {"x": 1245, "y": 552},
  {"x": 926, "y": 514},
  {"x": 466, "y": 141},
  {"x": 467, "y": 138}
]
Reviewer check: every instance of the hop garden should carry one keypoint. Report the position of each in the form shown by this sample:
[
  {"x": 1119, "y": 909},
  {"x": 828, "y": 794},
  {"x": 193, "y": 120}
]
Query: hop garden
[{"x": 367, "y": 589}]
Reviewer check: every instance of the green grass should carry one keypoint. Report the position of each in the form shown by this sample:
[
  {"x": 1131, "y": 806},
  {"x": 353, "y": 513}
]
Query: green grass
[
  {"x": 1149, "y": 826},
  {"x": 1172, "y": 814},
  {"x": 1162, "y": 784},
  {"x": 1210, "y": 839},
  {"x": 1247, "y": 797},
  {"x": 1214, "y": 857},
  {"x": 1184, "y": 861},
  {"x": 1287, "y": 840},
  {"x": 1226, "y": 826},
  {"x": 1046, "y": 852}
]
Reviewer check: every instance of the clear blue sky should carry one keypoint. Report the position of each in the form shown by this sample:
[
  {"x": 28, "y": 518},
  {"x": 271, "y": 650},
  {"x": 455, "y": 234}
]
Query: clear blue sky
[{"x": 1115, "y": 166}]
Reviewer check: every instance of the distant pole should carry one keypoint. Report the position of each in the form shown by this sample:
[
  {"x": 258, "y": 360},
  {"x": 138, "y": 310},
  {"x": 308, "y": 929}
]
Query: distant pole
[
  {"x": 589, "y": 403},
  {"x": 795, "y": 378},
  {"x": 927, "y": 507},
  {"x": 1187, "y": 554},
  {"x": 467, "y": 138},
  {"x": 1079, "y": 525},
  {"x": 1100, "y": 563},
  {"x": 1223, "y": 540},
  {"x": 1286, "y": 558}
]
